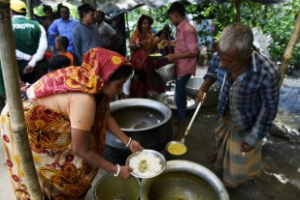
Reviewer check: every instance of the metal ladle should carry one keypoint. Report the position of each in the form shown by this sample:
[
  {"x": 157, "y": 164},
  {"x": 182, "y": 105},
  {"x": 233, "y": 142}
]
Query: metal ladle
[{"x": 178, "y": 148}]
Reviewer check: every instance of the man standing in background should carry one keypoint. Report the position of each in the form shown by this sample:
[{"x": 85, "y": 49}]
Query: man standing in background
[
  {"x": 85, "y": 35},
  {"x": 64, "y": 26},
  {"x": 50, "y": 17},
  {"x": 108, "y": 36},
  {"x": 185, "y": 59}
]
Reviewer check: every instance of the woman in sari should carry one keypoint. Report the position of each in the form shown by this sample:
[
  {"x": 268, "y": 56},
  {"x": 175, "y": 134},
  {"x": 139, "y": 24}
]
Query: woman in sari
[
  {"x": 67, "y": 114},
  {"x": 142, "y": 43}
]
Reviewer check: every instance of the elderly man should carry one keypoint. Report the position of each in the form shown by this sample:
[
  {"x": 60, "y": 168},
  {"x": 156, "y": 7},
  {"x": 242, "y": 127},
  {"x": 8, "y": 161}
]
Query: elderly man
[
  {"x": 247, "y": 104},
  {"x": 108, "y": 36}
]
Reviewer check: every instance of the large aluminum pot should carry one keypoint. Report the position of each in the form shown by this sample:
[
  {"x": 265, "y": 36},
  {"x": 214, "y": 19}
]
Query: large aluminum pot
[
  {"x": 212, "y": 94},
  {"x": 184, "y": 179},
  {"x": 110, "y": 187},
  {"x": 144, "y": 120}
]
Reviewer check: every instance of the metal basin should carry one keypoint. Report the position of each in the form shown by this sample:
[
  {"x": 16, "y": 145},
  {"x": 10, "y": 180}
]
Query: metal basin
[
  {"x": 110, "y": 187},
  {"x": 135, "y": 115},
  {"x": 144, "y": 120},
  {"x": 184, "y": 180},
  {"x": 212, "y": 94}
]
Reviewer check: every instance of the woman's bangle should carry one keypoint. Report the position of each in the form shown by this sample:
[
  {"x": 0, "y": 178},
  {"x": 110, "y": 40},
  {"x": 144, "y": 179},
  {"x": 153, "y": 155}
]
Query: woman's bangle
[
  {"x": 130, "y": 140},
  {"x": 118, "y": 170}
]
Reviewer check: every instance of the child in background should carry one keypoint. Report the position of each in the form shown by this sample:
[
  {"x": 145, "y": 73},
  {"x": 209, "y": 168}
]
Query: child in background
[
  {"x": 58, "y": 62},
  {"x": 61, "y": 45},
  {"x": 163, "y": 48}
]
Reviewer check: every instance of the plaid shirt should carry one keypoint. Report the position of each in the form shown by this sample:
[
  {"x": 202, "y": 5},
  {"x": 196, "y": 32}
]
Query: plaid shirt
[{"x": 252, "y": 98}]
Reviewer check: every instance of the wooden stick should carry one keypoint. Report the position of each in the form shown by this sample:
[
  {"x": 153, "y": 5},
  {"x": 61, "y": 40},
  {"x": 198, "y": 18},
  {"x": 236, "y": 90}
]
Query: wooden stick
[
  {"x": 12, "y": 87},
  {"x": 289, "y": 49}
]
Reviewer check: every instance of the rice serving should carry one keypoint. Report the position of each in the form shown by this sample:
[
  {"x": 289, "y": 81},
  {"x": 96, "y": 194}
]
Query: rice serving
[{"x": 145, "y": 165}]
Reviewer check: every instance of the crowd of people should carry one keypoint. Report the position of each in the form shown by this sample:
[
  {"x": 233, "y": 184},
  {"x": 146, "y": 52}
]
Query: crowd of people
[{"x": 66, "y": 103}]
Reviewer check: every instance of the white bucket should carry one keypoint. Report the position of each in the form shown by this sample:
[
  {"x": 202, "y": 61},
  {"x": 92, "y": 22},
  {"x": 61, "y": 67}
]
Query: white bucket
[{"x": 166, "y": 72}]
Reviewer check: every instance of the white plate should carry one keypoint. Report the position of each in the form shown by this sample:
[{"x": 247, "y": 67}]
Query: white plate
[
  {"x": 152, "y": 153},
  {"x": 155, "y": 55}
]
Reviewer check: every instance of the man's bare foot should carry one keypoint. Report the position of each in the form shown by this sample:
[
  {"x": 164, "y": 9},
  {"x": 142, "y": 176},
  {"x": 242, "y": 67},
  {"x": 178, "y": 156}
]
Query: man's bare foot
[
  {"x": 181, "y": 131},
  {"x": 212, "y": 158},
  {"x": 175, "y": 122}
]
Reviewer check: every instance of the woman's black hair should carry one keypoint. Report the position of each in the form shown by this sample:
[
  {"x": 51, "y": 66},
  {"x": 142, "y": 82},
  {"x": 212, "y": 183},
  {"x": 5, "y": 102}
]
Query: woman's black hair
[
  {"x": 84, "y": 9},
  {"x": 122, "y": 72},
  {"x": 142, "y": 19},
  {"x": 58, "y": 62}
]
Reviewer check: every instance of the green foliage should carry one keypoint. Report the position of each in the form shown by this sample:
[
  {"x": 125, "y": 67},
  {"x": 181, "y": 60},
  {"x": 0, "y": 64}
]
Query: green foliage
[
  {"x": 276, "y": 21},
  {"x": 159, "y": 16},
  {"x": 73, "y": 10}
]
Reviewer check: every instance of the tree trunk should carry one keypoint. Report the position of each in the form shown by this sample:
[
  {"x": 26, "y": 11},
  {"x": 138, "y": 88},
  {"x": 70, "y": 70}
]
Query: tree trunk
[
  {"x": 238, "y": 10},
  {"x": 289, "y": 49},
  {"x": 12, "y": 86},
  {"x": 29, "y": 8}
]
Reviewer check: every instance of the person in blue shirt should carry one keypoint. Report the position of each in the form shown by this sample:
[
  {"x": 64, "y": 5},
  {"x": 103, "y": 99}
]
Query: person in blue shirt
[
  {"x": 64, "y": 26},
  {"x": 85, "y": 35},
  {"x": 247, "y": 106}
]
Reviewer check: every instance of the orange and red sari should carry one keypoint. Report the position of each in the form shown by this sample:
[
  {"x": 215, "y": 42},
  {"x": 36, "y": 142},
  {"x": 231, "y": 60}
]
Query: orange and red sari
[
  {"x": 139, "y": 57},
  {"x": 142, "y": 63},
  {"x": 62, "y": 175}
]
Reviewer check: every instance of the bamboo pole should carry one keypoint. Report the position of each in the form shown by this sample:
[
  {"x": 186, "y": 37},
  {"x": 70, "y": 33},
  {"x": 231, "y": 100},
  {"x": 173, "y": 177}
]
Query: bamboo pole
[
  {"x": 12, "y": 87},
  {"x": 289, "y": 49},
  {"x": 29, "y": 8}
]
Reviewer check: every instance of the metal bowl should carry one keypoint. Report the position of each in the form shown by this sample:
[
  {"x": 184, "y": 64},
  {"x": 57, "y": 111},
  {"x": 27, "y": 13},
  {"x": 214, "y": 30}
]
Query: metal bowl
[
  {"x": 135, "y": 123},
  {"x": 184, "y": 180},
  {"x": 152, "y": 153},
  {"x": 212, "y": 95},
  {"x": 167, "y": 98},
  {"x": 110, "y": 187}
]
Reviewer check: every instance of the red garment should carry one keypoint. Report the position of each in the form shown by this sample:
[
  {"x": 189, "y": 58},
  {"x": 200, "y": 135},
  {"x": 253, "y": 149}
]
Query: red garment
[
  {"x": 62, "y": 175},
  {"x": 98, "y": 65}
]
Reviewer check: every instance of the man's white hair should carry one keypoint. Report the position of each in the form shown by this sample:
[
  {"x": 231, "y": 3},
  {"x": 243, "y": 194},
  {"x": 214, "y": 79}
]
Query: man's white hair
[{"x": 238, "y": 37}]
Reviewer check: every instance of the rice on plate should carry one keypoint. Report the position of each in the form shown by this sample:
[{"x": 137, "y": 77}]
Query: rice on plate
[{"x": 145, "y": 165}]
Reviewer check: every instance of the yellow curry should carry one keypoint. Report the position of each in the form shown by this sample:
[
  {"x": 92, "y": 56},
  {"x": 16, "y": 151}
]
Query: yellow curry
[{"x": 177, "y": 149}]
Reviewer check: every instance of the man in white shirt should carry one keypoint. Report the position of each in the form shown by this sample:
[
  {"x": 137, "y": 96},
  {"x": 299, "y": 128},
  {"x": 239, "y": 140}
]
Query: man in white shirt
[
  {"x": 30, "y": 42},
  {"x": 108, "y": 36}
]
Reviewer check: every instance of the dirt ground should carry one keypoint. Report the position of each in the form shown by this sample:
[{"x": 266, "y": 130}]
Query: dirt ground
[{"x": 280, "y": 174}]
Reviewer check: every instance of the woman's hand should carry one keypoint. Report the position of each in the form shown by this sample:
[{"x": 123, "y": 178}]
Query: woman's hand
[
  {"x": 125, "y": 172},
  {"x": 135, "y": 146}
]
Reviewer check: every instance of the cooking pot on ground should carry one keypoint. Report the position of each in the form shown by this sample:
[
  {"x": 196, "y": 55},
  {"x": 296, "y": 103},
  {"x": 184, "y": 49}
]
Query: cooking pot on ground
[
  {"x": 144, "y": 120},
  {"x": 184, "y": 180}
]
